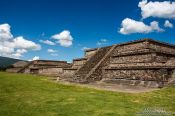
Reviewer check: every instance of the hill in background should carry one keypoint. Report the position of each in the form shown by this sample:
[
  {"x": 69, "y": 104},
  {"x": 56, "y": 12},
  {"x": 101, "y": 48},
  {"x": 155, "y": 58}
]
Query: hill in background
[{"x": 6, "y": 62}]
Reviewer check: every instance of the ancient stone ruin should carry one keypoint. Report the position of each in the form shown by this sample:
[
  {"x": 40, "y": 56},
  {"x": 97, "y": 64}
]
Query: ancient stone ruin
[
  {"x": 143, "y": 62},
  {"x": 45, "y": 67}
]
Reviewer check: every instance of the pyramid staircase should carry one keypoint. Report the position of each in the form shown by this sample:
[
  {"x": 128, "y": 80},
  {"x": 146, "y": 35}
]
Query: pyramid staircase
[{"x": 93, "y": 66}]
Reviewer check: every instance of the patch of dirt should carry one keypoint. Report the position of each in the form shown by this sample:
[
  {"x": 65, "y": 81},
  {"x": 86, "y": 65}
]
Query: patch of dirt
[{"x": 114, "y": 87}]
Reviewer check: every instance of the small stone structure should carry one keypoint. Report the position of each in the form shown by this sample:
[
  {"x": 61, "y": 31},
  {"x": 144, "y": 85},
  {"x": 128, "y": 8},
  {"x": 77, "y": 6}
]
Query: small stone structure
[
  {"x": 144, "y": 62},
  {"x": 45, "y": 67},
  {"x": 16, "y": 67}
]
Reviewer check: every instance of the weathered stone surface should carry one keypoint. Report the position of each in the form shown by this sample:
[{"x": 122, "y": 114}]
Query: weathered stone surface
[
  {"x": 46, "y": 67},
  {"x": 80, "y": 75},
  {"x": 90, "y": 52},
  {"x": 147, "y": 61},
  {"x": 77, "y": 63},
  {"x": 137, "y": 74},
  {"x": 143, "y": 62}
]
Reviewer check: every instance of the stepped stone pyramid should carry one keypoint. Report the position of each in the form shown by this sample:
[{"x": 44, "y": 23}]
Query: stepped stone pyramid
[{"x": 144, "y": 62}]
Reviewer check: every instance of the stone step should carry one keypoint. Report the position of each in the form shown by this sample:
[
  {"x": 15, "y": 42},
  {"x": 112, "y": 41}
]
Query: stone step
[{"x": 90, "y": 64}]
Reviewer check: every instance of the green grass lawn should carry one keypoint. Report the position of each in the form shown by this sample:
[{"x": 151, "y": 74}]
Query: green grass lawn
[{"x": 29, "y": 95}]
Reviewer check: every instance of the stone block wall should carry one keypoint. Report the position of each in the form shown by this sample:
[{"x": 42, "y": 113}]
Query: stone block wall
[
  {"x": 162, "y": 48},
  {"x": 137, "y": 74},
  {"x": 27, "y": 71},
  {"x": 67, "y": 74},
  {"x": 148, "y": 59},
  {"x": 77, "y": 63},
  {"x": 130, "y": 47},
  {"x": 132, "y": 59},
  {"x": 144, "y": 61},
  {"x": 69, "y": 71},
  {"x": 90, "y": 53},
  {"x": 50, "y": 71},
  {"x": 45, "y": 63}
]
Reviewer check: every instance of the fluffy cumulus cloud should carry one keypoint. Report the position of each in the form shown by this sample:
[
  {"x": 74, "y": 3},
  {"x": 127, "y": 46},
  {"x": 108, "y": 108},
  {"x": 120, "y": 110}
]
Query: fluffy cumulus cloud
[
  {"x": 64, "y": 38},
  {"x": 48, "y": 42},
  {"x": 5, "y": 33},
  {"x": 129, "y": 26},
  {"x": 19, "y": 53},
  {"x": 20, "y": 42},
  {"x": 165, "y": 9},
  {"x": 168, "y": 24},
  {"x": 15, "y": 47}
]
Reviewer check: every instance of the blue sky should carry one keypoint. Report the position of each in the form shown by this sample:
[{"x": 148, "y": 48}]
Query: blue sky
[{"x": 90, "y": 24}]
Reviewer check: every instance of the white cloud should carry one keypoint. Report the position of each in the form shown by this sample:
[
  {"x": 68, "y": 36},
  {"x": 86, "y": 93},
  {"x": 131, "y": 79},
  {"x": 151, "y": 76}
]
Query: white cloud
[
  {"x": 19, "y": 53},
  {"x": 47, "y": 42},
  {"x": 85, "y": 48},
  {"x": 165, "y": 9},
  {"x": 51, "y": 51},
  {"x": 14, "y": 46},
  {"x": 20, "y": 42},
  {"x": 129, "y": 26},
  {"x": 54, "y": 54},
  {"x": 168, "y": 24},
  {"x": 101, "y": 42},
  {"x": 64, "y": 38},
  {"x": 5, "y": 33},
  {"x": 6, "y": 51},
  {"x": 35, "y": 58}
]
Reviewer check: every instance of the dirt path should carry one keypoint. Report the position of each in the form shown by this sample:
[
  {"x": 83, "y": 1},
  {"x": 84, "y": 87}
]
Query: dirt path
[{"x": 114, "y": 87}]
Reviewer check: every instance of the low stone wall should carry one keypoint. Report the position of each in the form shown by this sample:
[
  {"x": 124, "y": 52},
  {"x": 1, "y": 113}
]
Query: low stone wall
[
  {"x": 50, "y": 71},
  {"x": 68, "y": 74},
  {"x": 147, "y": 78},
  {"x": 13, "y": 70},
  {"x": 69, "y": 71}
]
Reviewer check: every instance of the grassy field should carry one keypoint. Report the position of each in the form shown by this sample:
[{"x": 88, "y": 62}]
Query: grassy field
[{"x": 29, "y": 95}]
